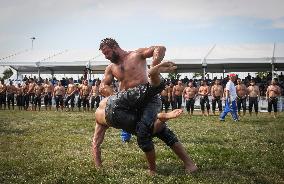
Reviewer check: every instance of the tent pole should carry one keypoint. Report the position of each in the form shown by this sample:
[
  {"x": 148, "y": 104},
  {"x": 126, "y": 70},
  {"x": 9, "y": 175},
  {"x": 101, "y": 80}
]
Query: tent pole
[
  {"x": 38, "y": 72},
  {"x": 17, "y": 74},
  {"x": 272, "y": 70},
  {"x": 272, "y": 62},
  {"x": 52, "y": 74}
]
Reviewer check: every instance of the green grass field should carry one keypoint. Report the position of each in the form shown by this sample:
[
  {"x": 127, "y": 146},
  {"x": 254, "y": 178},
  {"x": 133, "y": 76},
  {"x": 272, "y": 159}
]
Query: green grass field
[{"x": 55, "y": 147}]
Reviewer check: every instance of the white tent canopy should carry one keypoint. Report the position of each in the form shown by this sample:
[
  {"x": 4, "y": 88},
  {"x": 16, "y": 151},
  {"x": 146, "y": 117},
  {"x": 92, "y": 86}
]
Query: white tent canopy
[{"x": 248, "y": 58}]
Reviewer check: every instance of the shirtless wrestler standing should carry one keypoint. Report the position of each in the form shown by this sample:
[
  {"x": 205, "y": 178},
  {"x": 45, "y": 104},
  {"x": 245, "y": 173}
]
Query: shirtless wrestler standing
[
  {"x": 203, "y": 92},
  {"x": 19, "y": 97},
  {"x": 242, "y": 96},
  {"x": 189, "y": 95},
  {"x": 11, "y": 90},
  {"x": 38, "y": 95},
  {"x": 59, "y": 93},
  {"x": 253, "y": 94},
  {"x": 272, "y": 94},
  {"x": 48, "y": 90},
  {"x": 165, "y": 99},
  {"x": 70, "y": 95},
  {"x": 95, "y": 95},
  {"x": 31, "y": 92},
  {"x": 3, "y": 89},
  {"x": 217, "y": 95},
  {"x": 177, "y": 94}
]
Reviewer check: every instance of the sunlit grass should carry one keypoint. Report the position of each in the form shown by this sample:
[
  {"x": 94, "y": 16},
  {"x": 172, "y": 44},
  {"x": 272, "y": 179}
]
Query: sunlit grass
[{"x": 55, "y": 147}]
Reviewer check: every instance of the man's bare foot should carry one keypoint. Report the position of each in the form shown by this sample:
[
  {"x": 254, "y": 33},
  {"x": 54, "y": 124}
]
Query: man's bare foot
[
  {"x": 169, "y": 115},
  {"x": 163, "y": 117},
  {"x": 191, "y": 169},
  {"x": 164, "y": 67}
]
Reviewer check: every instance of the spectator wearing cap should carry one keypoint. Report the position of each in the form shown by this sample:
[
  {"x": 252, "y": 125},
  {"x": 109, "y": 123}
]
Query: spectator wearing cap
[{"x": 230, "y": 96}]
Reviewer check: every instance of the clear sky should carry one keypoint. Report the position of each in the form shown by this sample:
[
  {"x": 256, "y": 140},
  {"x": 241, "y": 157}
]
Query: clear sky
[{"x": 72, "y": 24}]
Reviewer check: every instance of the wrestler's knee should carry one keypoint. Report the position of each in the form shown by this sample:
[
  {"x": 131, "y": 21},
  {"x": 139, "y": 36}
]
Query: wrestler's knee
[
  {"x": 167, "y": 136},
  {"x": 144, "y": 138},
  {"x": 145, "y": 143}
]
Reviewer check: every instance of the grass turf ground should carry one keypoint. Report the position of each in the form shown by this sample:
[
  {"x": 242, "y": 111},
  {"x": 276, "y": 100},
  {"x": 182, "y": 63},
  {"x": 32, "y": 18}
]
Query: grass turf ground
[{"x": 55, "y": 147}]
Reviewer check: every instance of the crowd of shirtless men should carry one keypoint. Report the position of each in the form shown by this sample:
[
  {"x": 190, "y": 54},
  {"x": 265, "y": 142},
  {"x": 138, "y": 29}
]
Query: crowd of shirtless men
[
  {"x": 33, "y": 92},
  {"x": 174, "y": 94}
]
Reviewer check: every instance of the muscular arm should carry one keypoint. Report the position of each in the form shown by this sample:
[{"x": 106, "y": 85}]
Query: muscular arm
[
  {"x": 54, "y": 91},
  {"x": 157, "y": 52},
  {"x": 104, "y": 88},
  {"x": 174, "y": 90},
  {"x": 227, "y": 94},
  {"x": 279, "y": 91},
  {"x": 212, "y": 91},
  {"x": 267, "y": 92},
  {"x": 199, "y": 91},
  {"x": 169, "y": 94},
  {"x": 183, "y": 93}
]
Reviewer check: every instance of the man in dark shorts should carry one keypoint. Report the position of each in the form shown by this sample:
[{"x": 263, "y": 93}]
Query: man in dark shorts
[
  {"x": 38, "y": 94},
  {"x": 165, "y": 99},
  {"x": 48, "y": 90},
  {"x": 130, "y": 69},
  {"x": 79, "y": 100},
  {"x": 272, "y": 94},
  {"x": 19, "y": 97},
  {"x": 217, "y": 95},
  {"x": 31, "y": 93},
  {"x": 3, "y": 89},
  {"x": 177, "y": 94},
  {"x": 242, "y": 96},
  {"x": 70, "y": 95},
  {"x": 26, "y": 95},
  {"x": 253, "y": 94},
  {"x": 85, "y": 95},
  {"x": 11, "y": 90},
  {"x": 95, "y": 95},
  {"x": 203, "y": 92},
  {"x": 189, "y": 94},
  {"x": 59, "y": 93}
]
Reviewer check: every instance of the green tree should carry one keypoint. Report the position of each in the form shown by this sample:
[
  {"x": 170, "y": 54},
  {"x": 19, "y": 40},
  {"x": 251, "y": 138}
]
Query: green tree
[
  {"x": 7, "y": 73},
  {"x": 196, "y": 75},
  {"x": 262, "y": 74},
  {"x": 174, "y": 75}
]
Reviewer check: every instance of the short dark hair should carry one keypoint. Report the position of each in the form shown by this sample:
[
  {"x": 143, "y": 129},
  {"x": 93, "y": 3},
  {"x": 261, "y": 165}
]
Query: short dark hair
[{"x": 110, "y": 42}]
